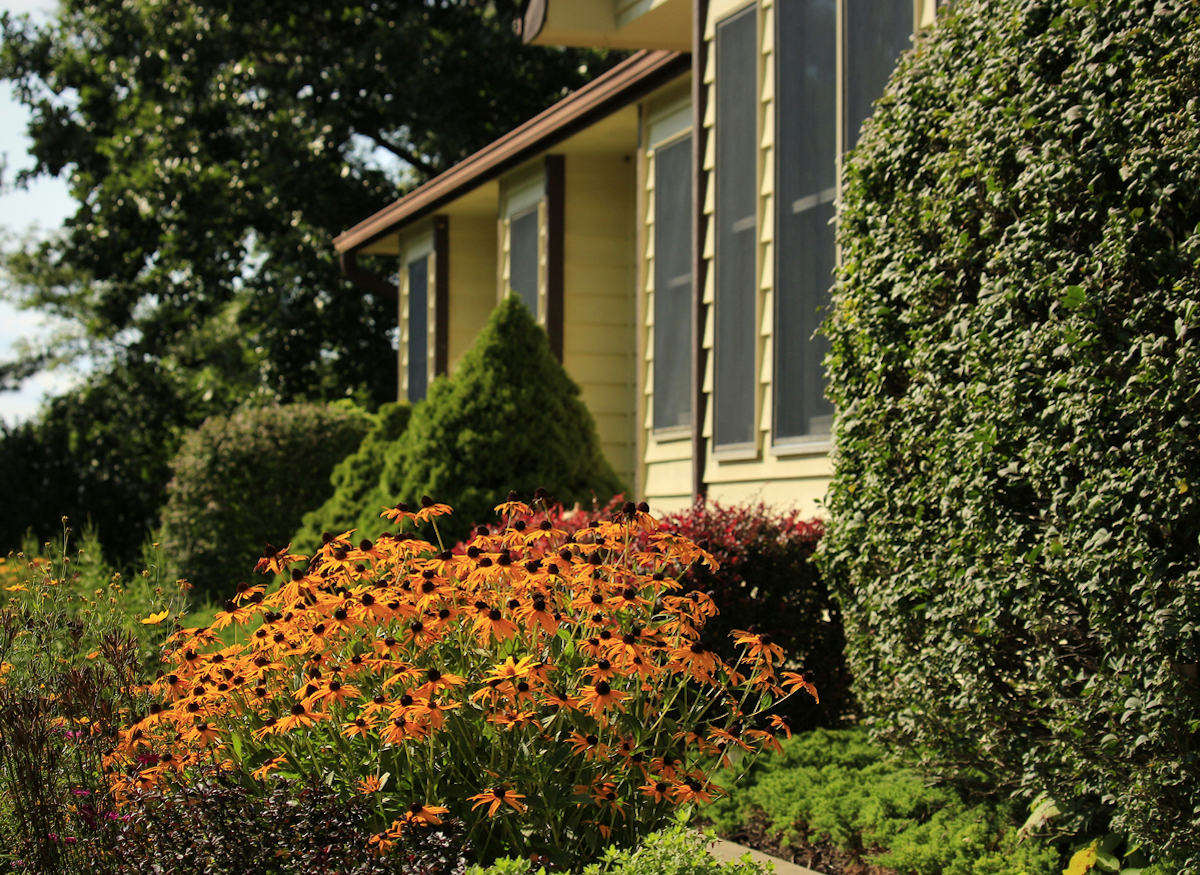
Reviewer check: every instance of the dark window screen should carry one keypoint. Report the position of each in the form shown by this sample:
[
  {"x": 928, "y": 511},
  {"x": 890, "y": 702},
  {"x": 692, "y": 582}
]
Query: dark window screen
[
  {"x": 673, "y": 285},
  {"x": 737, "y": 232},
  {"x": 877, "y": 31},
  {"x": 523, "y": 257},
  {"x": 418, "y": 328},
  {"x": 807, "y": 184}
]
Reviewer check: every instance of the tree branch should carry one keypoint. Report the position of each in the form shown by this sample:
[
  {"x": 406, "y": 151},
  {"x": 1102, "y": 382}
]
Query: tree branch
[{"x": 407, "y": 156}]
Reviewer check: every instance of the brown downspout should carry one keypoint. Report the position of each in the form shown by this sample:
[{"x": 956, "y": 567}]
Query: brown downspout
[
  {"x": 699, "y": 229},
  {"x": 441, "y": 295},
  {"x": 556, "y": 208}
]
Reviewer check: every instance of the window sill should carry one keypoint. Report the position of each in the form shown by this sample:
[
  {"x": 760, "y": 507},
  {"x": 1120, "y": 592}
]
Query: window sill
[
  {"x": 736, "y": 453},
  {"x": 675, "y": 433},
  {"x": 817, "y": 446}
]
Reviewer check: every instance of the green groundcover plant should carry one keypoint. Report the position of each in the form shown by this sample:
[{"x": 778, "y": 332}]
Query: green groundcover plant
[
  {"x": 834, "y": 788},
  {"x": 1015, "y": 355}
]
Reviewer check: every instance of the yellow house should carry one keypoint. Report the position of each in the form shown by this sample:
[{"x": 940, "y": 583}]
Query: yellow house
[{"x": 671, "y": 226}]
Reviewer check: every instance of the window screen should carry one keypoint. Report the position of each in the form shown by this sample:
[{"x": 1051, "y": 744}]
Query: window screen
[
  {"x": 673, "y": 285},
  {"x": 523, "y": 257},
  {"x": 418, "y": 328},
  {"x": 877, "y": 31},
  {"x": 805, "y": 249},
  {"x": 737, "y": 189}
]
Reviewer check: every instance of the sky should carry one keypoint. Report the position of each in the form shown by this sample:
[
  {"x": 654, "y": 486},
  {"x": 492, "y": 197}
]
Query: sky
[{"x": 38, "y": 210}]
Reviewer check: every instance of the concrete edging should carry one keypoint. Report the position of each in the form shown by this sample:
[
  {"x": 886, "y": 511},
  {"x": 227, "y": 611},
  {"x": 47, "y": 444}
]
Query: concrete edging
[{"x": 730, "y": 851}]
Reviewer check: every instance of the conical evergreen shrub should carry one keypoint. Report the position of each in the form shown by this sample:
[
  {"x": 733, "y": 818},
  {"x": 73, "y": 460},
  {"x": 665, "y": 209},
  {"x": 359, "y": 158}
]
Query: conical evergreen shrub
[
  {"x": 358, "y": 491},
  {"x": 510, "y": 419}
]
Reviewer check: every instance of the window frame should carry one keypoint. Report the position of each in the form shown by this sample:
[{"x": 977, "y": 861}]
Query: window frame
[
  {"x": 918, "y": 11},
  {"x": 672, "y": 128},
  {"x": 735, "y": 435},
  {"x": 419, "y": 249}
]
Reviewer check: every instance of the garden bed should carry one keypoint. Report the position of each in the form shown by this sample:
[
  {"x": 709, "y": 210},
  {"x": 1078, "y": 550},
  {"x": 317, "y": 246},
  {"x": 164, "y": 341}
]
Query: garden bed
[{"x": 815, "y": 853}]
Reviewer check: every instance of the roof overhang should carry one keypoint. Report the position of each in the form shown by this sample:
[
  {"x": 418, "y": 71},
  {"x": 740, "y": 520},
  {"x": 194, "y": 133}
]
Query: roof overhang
[{"x": 627, "y": 82}]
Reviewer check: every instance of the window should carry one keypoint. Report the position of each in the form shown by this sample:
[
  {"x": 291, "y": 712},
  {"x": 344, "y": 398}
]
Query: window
[
  {"x": 673, "y": 284},
  {"x": 806, "y": 143},
  {"x": 418, "y": 328},
  {"x": 805, "y": 190},
  {"x": 877, "y": 32},
  {"x": 523, "y": 239},
  {"x": 734, "y": 392}
]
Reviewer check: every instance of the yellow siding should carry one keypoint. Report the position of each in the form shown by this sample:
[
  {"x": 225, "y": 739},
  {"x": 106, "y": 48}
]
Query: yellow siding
[
  {"x": 599, "y": 307},
  {"x": 662, "y": 486},
  {"x": 472, "y": 281}
]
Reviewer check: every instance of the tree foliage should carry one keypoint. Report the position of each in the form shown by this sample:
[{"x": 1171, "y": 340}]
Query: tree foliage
[
  {"x": 215, "y": 149},
  {"x": 510, "y": 418},
  {"x": 1015, "y": 356}
]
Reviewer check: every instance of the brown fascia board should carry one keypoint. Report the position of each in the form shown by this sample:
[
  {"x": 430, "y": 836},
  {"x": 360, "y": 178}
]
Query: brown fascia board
[{"x": 628, "y": 81}]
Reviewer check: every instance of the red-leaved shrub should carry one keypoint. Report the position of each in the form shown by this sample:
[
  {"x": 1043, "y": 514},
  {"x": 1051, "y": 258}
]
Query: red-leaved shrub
[{"x": 766, "y": 583}]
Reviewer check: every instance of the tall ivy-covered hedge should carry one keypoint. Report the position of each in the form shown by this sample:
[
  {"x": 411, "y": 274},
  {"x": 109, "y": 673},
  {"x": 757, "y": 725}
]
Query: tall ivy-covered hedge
[
  {"x": 1014, "y": 520},
  {"x": 510, "y": 418}
]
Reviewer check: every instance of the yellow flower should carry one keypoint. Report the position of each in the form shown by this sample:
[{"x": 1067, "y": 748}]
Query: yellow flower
[{"x": 155, "y": 619}]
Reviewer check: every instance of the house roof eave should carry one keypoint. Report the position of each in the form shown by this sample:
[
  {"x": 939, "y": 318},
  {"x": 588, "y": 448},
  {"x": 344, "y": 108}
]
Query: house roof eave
[{"x": 628, "y": 81}]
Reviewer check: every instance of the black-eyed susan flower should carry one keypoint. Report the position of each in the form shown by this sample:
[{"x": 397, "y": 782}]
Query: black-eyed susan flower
[
  {"x": 794, "y": 681},
  {"x": 424, "y": 814},
  {"x": 497, "y": 797},
  {"x": 202, "y": 733},
  {"x": 588, "y": 746},
  {"x": 492, "y": 625},
  {"x": 270, "y": 765},
  {"x": 600, "y": 697},
  {"x": 370, "y": 784},
  {"x": 691, "y": 790},
  {"x": 658, "y": 790},
  {"x": 436, "y": 681},
  {"x": 298, "y": 718},
  {"x": 359, "y": 727}
]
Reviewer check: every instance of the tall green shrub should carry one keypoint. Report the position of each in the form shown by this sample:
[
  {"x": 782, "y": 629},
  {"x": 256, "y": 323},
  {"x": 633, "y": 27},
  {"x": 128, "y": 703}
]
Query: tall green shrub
[
  {"x": 246, "y": 480},
  {"x": 510, "y": 419},
  {"x": 1014, "y": 521},
  {"x": 357, "y": 481}
]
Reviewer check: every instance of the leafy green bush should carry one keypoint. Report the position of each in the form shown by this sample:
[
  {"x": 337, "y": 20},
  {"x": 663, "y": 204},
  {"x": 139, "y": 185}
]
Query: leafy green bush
[
  {"x": 675, "y": 851},
  {"x": 510, "y": 418},
  {"x": 357, "y": 481},
  {"x": 1015, "y": 356},
  {"x": 246, "y": 480},
  {"x": 832, "y": 786}
]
